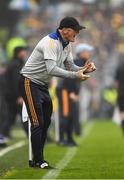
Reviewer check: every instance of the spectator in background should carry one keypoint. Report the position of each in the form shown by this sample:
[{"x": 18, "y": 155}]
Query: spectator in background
[
  {"x": 120, "y": 89},
  {"x": 13, "y": 98},
  {"x": 109, "y": 97},
  {"x": 3, "y": 104},
  {"x": 68, "y": 110},
  {"x": 68, "y": 91},
  {"x": 83, "y": 53}
]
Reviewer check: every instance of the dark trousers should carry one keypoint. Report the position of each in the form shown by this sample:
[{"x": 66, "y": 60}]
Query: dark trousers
[
  {"x": 3, "y": 115},
  {"x": 11, "y": 117},
  {"x": 39, "y": 107},
  {"x": 13, "y": 110}
]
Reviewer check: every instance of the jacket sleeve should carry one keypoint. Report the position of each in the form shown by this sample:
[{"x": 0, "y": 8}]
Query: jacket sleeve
[
  {"x": 69, "y": 62},
  {"x": 54, "y": 70}
]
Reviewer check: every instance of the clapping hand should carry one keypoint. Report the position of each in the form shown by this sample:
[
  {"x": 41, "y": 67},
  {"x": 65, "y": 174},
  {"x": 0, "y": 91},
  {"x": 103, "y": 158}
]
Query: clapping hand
[{"x": 90, "y": 67}]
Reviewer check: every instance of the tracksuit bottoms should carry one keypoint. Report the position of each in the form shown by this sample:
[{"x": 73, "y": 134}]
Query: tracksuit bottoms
[{"x": 39, "y": 107}]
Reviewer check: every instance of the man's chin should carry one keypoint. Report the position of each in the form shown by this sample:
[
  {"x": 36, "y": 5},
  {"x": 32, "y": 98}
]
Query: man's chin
[{"x": 72, "y": 40}]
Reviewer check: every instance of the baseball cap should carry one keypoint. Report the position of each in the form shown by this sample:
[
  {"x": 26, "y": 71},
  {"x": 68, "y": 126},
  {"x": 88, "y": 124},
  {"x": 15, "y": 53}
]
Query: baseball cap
[
  {"x": 70, "y": 22},
  {"x": 83, "y": 47}
]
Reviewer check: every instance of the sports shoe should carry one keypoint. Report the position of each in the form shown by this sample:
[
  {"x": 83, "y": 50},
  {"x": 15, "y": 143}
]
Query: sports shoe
[
  {"x": 2, "y": 141},
  {"x": 62, "y": 142},
  {"x": 71, "y": 143},
  {"x": 42, "y": 165}
]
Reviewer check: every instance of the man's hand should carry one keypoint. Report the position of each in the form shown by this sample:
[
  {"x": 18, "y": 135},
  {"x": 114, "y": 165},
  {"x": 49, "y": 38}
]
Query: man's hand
[
  {"x": 73, "y": 96},
  {"x": 90, "y": 67},
  {"x": 81, "y": 76},
  {"x": 19, "y": 101}
]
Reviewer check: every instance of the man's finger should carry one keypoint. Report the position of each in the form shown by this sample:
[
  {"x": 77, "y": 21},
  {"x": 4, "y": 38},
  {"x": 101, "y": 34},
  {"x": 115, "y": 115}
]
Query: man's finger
[
  {"x": 85, "y": 76},
  {"x": 86, "y": 68}
]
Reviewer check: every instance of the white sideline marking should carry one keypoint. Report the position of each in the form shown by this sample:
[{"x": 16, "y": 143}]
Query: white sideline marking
[
  {"x": 52, "y": 174},
  {"x": 12, "y": 147}
]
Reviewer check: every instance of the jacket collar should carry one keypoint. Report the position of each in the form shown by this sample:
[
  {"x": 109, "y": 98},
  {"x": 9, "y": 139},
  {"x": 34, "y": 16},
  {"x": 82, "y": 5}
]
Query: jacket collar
[
  {"x": 64, "y": 43},
  {"x": 56, "y": 35}
]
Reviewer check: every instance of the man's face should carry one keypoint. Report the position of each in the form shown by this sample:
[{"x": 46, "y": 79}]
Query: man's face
[
  {"x": 85, "y": 55},
  {"x": 22, "y": 54},
  {"x": 69, "y": 34}
]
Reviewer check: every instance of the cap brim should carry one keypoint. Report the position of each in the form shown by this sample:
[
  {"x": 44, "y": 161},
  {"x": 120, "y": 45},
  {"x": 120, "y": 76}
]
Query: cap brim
[{"x": 78, "y": 28}]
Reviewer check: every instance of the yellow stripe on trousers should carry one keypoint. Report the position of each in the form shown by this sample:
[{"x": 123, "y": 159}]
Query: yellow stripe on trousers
[
  {"x": 65, "y": 103},
  {"x": 30, "y": 102}
]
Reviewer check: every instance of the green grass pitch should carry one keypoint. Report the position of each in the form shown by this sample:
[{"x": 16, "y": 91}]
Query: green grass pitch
[{"x": 100, "y": 155}]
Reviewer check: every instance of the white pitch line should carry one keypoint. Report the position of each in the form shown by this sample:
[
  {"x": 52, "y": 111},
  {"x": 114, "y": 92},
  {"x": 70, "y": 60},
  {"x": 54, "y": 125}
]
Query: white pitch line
[
  {"x": 52, "y": 174},
  {"x": 12, "y": 147}
]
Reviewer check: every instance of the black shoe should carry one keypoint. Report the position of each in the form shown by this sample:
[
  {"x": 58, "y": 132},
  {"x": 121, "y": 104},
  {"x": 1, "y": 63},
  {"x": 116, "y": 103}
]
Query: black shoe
[
  {"x": 2, "y": 141},
  {"x": 42, "y": 165},
  {"x": 71, "y": 143},
  {"x": 62, "y": 142}
]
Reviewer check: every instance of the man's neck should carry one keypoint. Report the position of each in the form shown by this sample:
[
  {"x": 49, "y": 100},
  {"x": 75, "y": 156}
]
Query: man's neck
[{"x": 61, "y": 37}]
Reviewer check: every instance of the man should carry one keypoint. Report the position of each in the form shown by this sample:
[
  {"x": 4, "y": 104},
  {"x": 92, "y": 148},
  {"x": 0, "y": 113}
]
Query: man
[
  {"x": 83, "y": 52},
  {"x": 67, "y": 95},
  {"x": 119, "y": 79},
  {"x": 3, "y": 104},
  {"x": 13, "y": 98},
  {"x": 48, "y": 59},
  {"x": 68, "y": 91}
]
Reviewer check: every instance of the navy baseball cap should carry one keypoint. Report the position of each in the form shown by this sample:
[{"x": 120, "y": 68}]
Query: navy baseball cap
[{"x": 70, "y": 22}]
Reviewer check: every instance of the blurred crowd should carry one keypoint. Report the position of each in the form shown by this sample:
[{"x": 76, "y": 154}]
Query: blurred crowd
[{"x": 97, "y": 97}]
